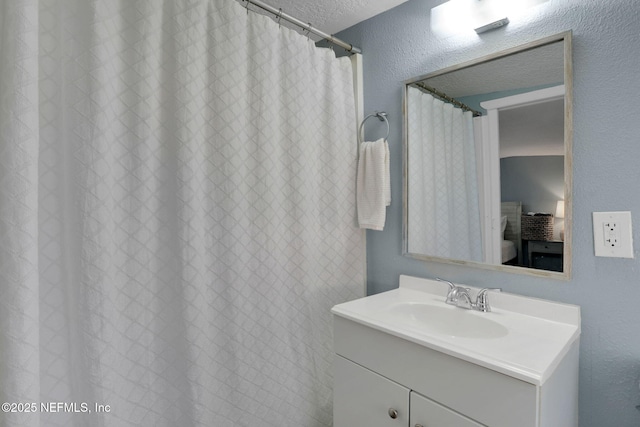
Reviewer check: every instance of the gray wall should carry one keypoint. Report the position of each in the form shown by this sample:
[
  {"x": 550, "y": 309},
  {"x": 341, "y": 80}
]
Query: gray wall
[
  {"x": 398, "y": 45},
  {"x": 536, "y": 181}
]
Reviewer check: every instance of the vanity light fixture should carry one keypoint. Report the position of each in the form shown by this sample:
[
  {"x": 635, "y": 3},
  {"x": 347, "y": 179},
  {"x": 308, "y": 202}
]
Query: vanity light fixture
[
  {"x": 457, "y": 16},
  {"x": 492, "y": 25},
  {"x": 488, "y": 14}
]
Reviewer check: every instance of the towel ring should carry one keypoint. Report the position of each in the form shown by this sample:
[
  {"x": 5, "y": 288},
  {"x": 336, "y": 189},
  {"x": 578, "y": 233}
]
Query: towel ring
[{"x": 382, "y": 116}]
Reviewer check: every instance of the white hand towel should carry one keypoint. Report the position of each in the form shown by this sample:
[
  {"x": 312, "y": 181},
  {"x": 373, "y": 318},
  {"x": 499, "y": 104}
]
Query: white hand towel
[{"x": 373, "y": 187}]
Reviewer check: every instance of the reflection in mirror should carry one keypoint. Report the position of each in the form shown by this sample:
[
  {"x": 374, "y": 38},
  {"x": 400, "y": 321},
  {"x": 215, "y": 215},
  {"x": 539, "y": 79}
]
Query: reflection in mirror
[{"x": 487, "y": 161}]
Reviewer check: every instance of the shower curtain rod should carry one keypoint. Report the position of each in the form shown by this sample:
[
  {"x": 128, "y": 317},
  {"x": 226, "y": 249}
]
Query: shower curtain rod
[
  {"x": 447, "y": 98},
  {"x": 307, "y": 27}
]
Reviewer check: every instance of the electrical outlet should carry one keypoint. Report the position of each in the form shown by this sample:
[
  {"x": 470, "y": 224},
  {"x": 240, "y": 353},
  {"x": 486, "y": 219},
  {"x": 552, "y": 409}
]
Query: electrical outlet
[
  {"x": 612, "y": 234},
  {"x": 611, "y": 229}
]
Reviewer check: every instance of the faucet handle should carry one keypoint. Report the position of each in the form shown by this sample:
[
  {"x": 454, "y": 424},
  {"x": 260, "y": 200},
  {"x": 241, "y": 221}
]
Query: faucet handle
[
  {"x": 452, "y": 297},
  {"x": 451, "y": 285},
  {"x": 482, "y": 301}
]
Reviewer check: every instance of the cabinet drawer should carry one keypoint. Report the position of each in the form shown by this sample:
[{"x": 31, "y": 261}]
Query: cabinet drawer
[
  {"x": 546, "y": 247},
  {"x": 487, "y": 396},
  {"x": 427, "y": 413}
]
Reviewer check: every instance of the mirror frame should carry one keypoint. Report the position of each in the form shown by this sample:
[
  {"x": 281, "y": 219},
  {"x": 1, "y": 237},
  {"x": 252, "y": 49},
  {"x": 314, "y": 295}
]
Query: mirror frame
[{"x": 565, "y": 37}]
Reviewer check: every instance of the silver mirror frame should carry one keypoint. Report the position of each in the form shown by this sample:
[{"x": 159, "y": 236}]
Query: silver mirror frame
[{"x": 565, "y": 37}]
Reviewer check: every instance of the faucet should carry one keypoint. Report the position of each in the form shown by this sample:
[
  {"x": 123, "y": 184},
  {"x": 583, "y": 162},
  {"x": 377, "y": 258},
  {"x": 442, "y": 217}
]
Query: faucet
[
  {"x": 482, "y": 301},
  {"x": 460, "y": 297},
  {"x": 452, "y": 295}
]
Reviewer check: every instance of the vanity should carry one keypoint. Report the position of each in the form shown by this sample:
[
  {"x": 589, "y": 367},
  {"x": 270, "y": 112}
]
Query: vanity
[{"x": 407, "y": 358}]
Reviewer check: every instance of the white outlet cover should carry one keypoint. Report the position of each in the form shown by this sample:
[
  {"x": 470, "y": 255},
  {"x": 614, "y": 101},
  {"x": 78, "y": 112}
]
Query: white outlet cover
[{"x": 623, "y": 247}]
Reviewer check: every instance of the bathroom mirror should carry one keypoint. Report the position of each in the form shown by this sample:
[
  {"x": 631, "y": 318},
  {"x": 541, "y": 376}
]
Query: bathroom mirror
[{"x": 487, "y": 161}]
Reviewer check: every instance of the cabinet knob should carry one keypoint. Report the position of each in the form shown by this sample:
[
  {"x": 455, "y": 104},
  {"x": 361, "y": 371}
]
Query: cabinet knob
[{"x": 393, "y": 413}]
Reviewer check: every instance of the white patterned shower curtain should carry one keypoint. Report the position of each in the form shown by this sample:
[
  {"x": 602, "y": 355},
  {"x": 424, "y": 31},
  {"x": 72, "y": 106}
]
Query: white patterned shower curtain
[
  {"x": 443, "y": 204},
  {"x": 176, "y": 215}
]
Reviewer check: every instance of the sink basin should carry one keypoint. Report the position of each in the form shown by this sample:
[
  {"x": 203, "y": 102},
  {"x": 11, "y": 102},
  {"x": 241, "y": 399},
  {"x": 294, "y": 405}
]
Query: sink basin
[
  {"x": 521, "y": 337},
  {"x": 446, "y": 320}
]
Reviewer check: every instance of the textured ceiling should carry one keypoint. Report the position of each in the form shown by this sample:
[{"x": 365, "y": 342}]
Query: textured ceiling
[
  {"x": 333, "y": 16},
  {"x": 533, "y": 130},
  {"x": 541, "y": 66}
]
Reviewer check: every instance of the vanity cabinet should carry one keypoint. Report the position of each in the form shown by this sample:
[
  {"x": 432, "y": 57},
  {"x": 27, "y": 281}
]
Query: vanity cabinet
[
  {"x": 376, "y": 371},
  {"x": 364, "y": 398},
  {"x": 404, "y": 358},
  {"x": 427, "y": 413}
]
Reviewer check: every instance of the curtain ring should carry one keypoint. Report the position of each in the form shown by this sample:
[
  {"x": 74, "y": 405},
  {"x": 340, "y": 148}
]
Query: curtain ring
[
  {"x": 308, "y": 30},
  {"x": 279, "y": 18}
]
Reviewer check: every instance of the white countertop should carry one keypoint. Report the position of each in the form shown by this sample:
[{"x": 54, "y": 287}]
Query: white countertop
[{"x": 538, "y": 332}]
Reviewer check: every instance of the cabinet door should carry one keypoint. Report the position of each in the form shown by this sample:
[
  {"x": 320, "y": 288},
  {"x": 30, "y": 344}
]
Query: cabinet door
[
  {"x": 363, "y": 398},
  {"x": 427, "y": 413}
]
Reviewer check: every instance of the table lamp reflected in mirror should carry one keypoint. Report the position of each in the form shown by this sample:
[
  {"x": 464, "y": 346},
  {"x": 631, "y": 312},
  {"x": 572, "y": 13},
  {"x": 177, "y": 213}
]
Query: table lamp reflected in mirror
[{"x": 560, "y": 215}]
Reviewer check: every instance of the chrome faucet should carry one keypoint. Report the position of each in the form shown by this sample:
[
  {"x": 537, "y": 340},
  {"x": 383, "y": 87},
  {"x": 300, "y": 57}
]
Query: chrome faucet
[
  {"x": 460, "y": 297},
  {"x": 482, "y": 301},
  {"x": 455, "y": 293}
]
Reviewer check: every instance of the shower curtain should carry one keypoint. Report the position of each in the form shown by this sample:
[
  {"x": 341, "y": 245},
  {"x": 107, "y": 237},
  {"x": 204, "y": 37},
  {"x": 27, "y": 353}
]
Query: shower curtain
[
  {"x": 443, "y": 203},
  {"x": 176, "y": 215}
]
